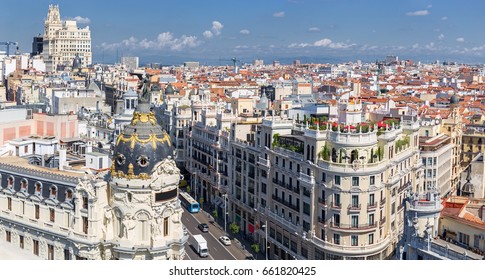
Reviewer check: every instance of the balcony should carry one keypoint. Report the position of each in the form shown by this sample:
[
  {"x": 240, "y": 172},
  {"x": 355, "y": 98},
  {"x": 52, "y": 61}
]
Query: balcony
[
  {"x": 322, "y": 202},
  {"x": 336, "y": 206},
  {"x": 322, "y": 221},
  {"x": 284, "y": 222},
  {"x": 382, "y": 221},
  {"x": 404, "y": 187},
  {"x": 286, "y": 203},
  {"x": 353, "y": 227},
  {"x": 263, "y": 162},
  {"x": 306, "y": 179},
  {"x": 347, "y": 250},
  {"x": 383, "y": 201},
  {"x": 286, "y": 186},
  {"x": 354, "y": 208},
  {"x": 371, "y": 206}
]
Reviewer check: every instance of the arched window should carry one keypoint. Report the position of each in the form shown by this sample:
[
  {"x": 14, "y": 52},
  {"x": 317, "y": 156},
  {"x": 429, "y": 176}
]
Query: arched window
[
  {"x": 53, "y": 191},
  {"x": 143, "y": 227},
  {"x": 38, "y": 188},
  {"x": 10, "y": 181},
  {"x": 23, "y": 184},
  {"x": 68, "y": 195}
]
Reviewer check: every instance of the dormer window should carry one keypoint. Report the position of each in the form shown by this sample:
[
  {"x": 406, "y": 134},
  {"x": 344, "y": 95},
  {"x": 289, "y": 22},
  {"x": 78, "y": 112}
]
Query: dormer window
[
  {"x": 38, "y": 188},
  {"x": 53, "y": 192},
  {"x": 68, "y": 195},
  {"x": 10, "y": 181},
  {"x": 23, "y": 185}
]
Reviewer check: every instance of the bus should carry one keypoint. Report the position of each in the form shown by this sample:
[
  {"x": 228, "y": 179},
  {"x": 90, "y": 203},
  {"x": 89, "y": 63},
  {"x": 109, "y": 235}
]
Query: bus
[{"x": 189, "y": 202}]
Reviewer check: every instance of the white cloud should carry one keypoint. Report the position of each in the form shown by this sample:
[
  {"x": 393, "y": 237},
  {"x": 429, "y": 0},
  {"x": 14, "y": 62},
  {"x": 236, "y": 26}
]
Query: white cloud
[
  {"x": 429, "y": 6},
  {"x": 322, "y": 43},
  {"x": 415, "y": 46},
  {"x": 418, "y": 13},
  {"x": 80, "y": 19},
  {"x": 444, "y": 18},
  {"x": 241, "y": 47},
  {"x": 460, "y": 39},
  {"x": 207, "y": 34},
  {"x": 164, "y": 40},
  {"x": 314, "y": 29},
  {"x": 279, "y": 14},
  {"x": 430, "y": 46},
  {"x": 217, "y": 27},
  {"x": 325, "y": 42},
  {"x": 244, "y": 32},
  {"x": 441, "y": 36}
]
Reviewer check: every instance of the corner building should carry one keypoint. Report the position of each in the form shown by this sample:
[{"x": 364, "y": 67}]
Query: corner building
[
  {"x": 131, "y": 211},
  {"x": 335, "y": 191}
]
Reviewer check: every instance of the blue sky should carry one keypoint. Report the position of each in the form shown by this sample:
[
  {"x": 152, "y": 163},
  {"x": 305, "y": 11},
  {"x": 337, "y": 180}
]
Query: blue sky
[{"x": 209, "y": 30}]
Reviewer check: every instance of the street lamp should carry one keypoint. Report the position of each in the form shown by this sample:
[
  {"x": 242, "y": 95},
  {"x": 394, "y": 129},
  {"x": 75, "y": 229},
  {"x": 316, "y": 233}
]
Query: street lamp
[
  {"x": 265, "y": 240},
  {"x": 225, "y": 211}
]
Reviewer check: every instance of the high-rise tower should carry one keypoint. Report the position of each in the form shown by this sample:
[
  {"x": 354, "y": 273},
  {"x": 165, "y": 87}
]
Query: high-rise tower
[{"x": 63, "y": 40}]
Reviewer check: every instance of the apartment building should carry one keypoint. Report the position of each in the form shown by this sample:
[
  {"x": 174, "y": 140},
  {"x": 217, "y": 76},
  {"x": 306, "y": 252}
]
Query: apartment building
[{"x": 63, "y": 41}]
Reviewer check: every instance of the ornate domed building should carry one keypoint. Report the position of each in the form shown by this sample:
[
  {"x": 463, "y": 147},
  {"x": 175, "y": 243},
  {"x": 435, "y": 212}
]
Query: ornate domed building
[{"x": 145, "y": 210}]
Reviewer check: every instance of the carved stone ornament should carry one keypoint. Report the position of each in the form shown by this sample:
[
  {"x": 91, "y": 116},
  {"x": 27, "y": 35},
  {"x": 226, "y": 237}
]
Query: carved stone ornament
[
  {"x": 356, "y": 164},
  {"x": 85, "y": 185},
  {"x": 167, "y": 167}
]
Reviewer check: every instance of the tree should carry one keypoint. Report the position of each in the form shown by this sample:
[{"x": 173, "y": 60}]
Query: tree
[
  {"x": 234, "y": 228},
  {"x": 201, "y": 200},
  {"x": 255, "y": 247},
  {"x": 188, "y": 189},
  {"x": 215, "y": 214},
  {"x": 276, "y": 139}
]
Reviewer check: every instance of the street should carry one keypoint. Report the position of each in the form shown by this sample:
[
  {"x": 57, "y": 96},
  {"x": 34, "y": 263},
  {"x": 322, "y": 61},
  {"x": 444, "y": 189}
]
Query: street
[{"x": 217, "y": 251}]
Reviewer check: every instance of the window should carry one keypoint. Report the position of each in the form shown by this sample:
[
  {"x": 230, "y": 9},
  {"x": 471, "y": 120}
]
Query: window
[
  {"x": 336, "y": 199},
  {"x": 85, "y": 202},
  {"x": 263, "y": 188},
  {"x": 10, "y": 181},
  {"x": 324, "y": 177},
  {"x": 354, "y": 240},
  {"x": 464, "y": 238},
  {"x": 52, "y": 215},
  {"x": 68, "y": 195},
  {"x": 165, "y": 226},
  {"x": 337, "y": 180},
  {"x": 306, "y": 208},
  {"x": 371, "y": 199},
  {"x": 21, "y": 241},
  {"x": 67, "y": 255},
  {"x": 336, "y": 219},
  {"x": 23, "y": 184},
  {"x": 38, "y": 188},
  {"x": 393, "y": 206},
  {"x": 9, "y": 203},
  {"x": 8, "y": 236},
  {"x": 355, "y": 181},
  {"x": 36, "y": 247},
  {"x": 355, "y": 200},
  {"x": 85, "y": 225},
  {"x": 371, "y": 219},
  {"x": 354, "y": 219},
  {"x": 372, "y": 180},
  {"x": 53, "y": 192},
  {"x": 371, "y": 238},
  {"x": 336, "y": 238},
  {"x": 476, "y": 241},
  {"x": 37, "y": 212},
  {"x": 50, "y": 251}
]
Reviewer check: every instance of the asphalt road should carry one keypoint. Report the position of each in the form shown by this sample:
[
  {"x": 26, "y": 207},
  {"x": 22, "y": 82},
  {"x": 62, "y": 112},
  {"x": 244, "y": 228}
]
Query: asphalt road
[{"x": 217, "y": 251}]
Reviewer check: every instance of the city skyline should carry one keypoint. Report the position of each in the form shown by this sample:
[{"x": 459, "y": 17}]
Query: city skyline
[{"x": 214, "y": 31}]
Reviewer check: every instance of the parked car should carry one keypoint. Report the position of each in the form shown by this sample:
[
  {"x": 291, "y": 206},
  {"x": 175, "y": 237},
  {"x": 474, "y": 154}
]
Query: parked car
[
  {"x": 204, "y": 227},
  {"x": 225, "y": 240},
  {"x": 251, "y": 257}
]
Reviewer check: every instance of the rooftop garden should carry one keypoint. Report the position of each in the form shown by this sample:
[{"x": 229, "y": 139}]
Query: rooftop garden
[{"x": 288, "y": 143}]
